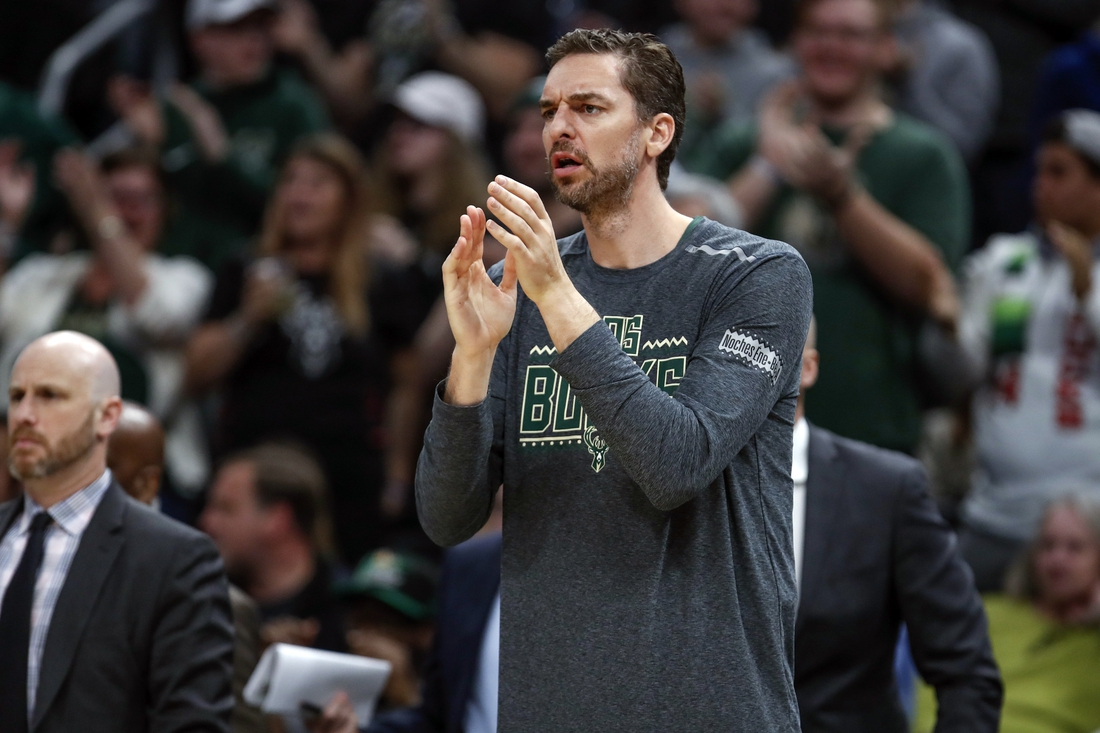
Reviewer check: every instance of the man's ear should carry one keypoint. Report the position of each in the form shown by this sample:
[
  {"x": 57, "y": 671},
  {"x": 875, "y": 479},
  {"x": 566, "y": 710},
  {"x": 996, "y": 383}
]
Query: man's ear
[
  {"x": 662, "y": 130},
  {"x": 110, "y": 410},
  {"x": 810, "y": 365}
]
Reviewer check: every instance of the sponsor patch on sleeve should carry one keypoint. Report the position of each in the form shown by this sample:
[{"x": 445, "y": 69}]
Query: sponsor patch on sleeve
[{"x": 753, "y": 352}]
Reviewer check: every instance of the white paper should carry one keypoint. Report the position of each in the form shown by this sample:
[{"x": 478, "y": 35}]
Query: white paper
[{"x": 289, "y": 675}]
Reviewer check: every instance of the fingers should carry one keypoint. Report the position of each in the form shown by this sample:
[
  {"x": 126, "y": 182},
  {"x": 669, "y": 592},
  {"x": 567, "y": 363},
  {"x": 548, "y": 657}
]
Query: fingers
[{"x": 511, "y": 193}]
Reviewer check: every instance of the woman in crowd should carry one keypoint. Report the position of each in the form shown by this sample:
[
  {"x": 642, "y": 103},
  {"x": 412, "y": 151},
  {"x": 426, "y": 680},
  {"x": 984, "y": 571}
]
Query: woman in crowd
[
  {"x": 301, "y": 338},
  {"x": 140, "y": 304},
  {"x": 1045, "y": 629}
]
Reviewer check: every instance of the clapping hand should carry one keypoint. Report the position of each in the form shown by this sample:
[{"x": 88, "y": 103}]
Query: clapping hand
[
  {"x": 530, "y": 242},
  {"x": 480, "y": 312}
]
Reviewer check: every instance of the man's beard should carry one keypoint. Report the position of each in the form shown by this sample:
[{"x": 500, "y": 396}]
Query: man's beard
[
  {"x": 70, "y": 449},
  {"x": 607, "y": 190}
]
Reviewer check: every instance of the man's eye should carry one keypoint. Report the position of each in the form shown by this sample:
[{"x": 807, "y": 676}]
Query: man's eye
[
  {"x": 591, "y": 109},
  {"x": 548, "y": 114}
]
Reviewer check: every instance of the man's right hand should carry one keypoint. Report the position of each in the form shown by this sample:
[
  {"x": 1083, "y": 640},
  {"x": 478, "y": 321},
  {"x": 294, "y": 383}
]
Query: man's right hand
[{"x": 480, "y": 312}]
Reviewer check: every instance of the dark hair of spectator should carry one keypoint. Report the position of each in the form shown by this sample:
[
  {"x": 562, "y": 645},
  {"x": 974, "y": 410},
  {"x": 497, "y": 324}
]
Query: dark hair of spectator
[
  {"x": 648, "y": 70},
  {"x": 887, "y": 11},
  {"x": 135, "y": 157},
  {"x": 349, "y": 276},
  {"x": 288, "y": 473},
  {"x": 465, "y": 176},
  {"x": 1055, "y": 131},
  {"x": 1022, "y": 580}
]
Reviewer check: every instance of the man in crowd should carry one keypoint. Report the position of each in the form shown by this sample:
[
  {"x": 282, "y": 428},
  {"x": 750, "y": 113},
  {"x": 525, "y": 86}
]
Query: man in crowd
[
  {"x": 268, "y": 515},
  {"x": 729, "y": 66},
  {"x": 1030, "y": 323},
  {"x": 135, "y": 453},
  {"x": 873, "y": 552},
  {"x": 625, "y": 461},
  {"x": 391, "y": 608},
  {"x": 113, "y": 586},
  {"x": 223, "y": 138},
  {"x": 875, "y": 201}
]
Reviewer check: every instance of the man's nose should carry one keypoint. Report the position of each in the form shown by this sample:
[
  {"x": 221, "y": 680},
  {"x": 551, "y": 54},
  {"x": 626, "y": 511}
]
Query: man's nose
[{"x": 561, "y": 125}]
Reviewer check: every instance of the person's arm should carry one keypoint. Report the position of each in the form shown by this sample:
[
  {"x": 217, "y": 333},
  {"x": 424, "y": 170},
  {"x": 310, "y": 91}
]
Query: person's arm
[
  {"x": 191, "y": 658},
  {"x": 460, "y": 466},
  {"x": 343, "y": 78},
  {"x": 948, "y": 634},
  {"x": 217, "y": 346},
  {"x": 78, "y": 178},
  {"x": 675, "y": 448}
]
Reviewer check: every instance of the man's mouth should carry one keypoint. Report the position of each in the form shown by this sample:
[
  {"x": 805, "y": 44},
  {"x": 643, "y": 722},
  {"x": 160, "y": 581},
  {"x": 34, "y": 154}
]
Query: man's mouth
[{"x": 565, "y": 164}]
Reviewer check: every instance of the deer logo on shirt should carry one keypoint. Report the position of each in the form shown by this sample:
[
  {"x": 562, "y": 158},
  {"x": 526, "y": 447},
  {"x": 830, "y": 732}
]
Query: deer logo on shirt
[{"x": 597, "y": 446}]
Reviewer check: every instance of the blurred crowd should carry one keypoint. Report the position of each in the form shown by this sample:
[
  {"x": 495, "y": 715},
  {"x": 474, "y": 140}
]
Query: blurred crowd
[{"x": 248, "y": 203}]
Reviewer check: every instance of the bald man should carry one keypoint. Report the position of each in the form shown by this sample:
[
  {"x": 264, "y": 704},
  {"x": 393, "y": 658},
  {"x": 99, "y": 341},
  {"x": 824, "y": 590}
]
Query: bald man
[
  {"x": 135, "y": 453},
  {"x": 113, "y": 618}
]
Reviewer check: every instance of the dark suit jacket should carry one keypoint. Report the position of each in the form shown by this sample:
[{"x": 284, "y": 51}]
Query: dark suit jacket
[
  {"x": 470, "y": 581},
  {"x": 877, "y": 553},
  {"x": 141, "y": 638}
]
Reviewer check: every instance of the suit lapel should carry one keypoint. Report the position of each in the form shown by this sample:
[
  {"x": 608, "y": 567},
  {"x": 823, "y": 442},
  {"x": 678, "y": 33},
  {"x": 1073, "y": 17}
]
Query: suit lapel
[
  {"x": 823, "y": 487},
  {"x": 99, "y": 546}
]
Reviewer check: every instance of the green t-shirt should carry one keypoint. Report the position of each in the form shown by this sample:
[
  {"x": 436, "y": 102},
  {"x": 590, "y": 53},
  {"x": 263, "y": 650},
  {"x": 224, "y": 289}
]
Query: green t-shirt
[
  {"x": 868, "y": 385},
  {"x": 40, "y": 138},
  {"x": 223, "y": 203},
  {"x": 1051, "y": 672}
]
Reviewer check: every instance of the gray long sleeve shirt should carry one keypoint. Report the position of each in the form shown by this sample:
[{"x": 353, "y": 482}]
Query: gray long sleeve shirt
[{"x": 647, "y": 572}]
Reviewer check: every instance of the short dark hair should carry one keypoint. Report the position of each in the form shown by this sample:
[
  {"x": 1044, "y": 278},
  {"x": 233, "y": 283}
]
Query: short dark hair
[
  {"x": 288, "y": 473},
  {"x": 649, "y": 71},
  {"x": 1057, "y": 131}
]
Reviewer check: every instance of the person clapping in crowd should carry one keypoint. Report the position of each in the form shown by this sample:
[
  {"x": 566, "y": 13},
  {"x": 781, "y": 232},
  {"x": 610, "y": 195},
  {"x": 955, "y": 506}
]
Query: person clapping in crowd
[
  {"x": 876, "y": 203},
  {"x": 298, "y": 347},
  {"x": 223, "y": 138},
  {"x": 1031, "y": 315},
  {"x": 140, "y": 304},
  {"x": 1045, "y": 628}
]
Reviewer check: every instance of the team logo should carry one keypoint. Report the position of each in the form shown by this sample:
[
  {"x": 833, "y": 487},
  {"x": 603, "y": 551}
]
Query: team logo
[
  {"x": 597, "y": 446},
  {"x": 753, "y": 352}
]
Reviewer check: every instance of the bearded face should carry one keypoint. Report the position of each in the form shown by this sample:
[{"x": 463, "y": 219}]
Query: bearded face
[
  {"x": 31, "y": 455},
  {"x": 607, "y": 188}
]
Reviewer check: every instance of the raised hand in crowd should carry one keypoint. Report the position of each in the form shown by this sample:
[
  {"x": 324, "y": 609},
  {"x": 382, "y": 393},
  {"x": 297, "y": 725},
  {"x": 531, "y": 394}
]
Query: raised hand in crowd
[
  {"x": 134, "y": 102},
  {"x": 1078, "y": 251},
  {"x": 205, "y": 122},
  {"x": 17, "y": 182},
  {"x": 344, "y": 77}
]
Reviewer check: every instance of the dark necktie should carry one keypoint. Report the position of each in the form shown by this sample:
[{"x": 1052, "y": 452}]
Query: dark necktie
[{"x": 15, "y": 630}]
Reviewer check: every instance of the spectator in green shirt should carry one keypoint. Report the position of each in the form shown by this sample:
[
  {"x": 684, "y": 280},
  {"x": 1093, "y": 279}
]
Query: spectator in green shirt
[
  {"x": 876, "y": 202},
  {"x": 224, "y": 137},
  {"x": 1045, "y": 630}
]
